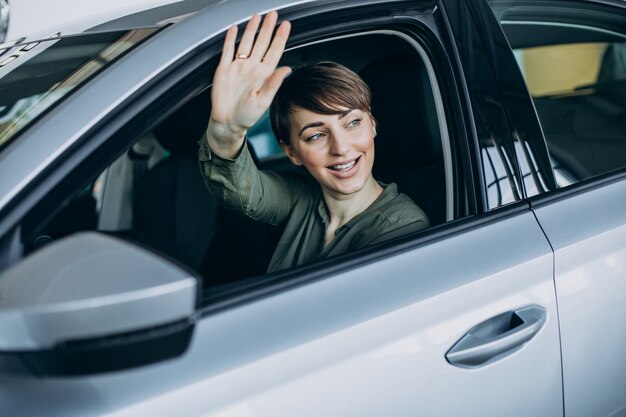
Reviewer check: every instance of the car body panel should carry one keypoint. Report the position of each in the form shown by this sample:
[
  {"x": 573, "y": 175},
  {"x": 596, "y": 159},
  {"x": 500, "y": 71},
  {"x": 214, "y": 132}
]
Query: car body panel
[
  {"x": 588, "y": 234},
  {"x": 377, "y": 333}
]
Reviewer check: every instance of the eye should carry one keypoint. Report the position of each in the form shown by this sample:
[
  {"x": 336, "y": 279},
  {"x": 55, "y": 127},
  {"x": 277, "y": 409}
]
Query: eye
[
  {"x": 355, "y": 122},
  {"x": 314, "y": 137}
]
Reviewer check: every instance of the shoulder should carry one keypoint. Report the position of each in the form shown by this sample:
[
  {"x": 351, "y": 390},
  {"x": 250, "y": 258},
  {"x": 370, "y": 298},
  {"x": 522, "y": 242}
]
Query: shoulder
[
  {"x": 391, "y": 215},
  {"x": 399, "y": 210},
  {"x": 399, "y": 216}
]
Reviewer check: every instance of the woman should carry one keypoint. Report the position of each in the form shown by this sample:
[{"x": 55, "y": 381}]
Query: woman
[{"x": 321, "y": 115}]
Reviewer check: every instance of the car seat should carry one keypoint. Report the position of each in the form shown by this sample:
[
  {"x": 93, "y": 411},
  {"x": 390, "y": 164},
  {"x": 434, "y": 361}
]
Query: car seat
[
  {"x": 172, "y": 210},
  {"x": 408, "y": 145},
  {"x": 585, "y": 129}
]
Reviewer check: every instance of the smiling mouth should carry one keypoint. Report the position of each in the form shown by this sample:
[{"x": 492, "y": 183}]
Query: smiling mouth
[{"x": 344, "y": 167}]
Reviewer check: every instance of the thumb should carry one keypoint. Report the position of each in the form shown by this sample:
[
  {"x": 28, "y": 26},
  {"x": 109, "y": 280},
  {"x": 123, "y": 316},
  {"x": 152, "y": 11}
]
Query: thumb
[{"x": 273, "y": 83}]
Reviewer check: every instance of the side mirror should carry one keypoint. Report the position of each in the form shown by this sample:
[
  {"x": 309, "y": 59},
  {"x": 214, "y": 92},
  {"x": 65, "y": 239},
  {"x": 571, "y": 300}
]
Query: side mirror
[{"x": 90, "y": 303}]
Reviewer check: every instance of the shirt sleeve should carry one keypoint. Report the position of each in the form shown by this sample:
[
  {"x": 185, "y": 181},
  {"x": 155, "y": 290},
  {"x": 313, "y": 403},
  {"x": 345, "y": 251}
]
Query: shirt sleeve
[{"x": 238, "y": 184}]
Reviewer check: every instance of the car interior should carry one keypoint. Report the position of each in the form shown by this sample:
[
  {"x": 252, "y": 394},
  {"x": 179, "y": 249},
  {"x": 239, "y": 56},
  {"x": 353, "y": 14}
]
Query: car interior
[
  {"x": 583, "y": 126},
  {"x": 154, "y": 195}
]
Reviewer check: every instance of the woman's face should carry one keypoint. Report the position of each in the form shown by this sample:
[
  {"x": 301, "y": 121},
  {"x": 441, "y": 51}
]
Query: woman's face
[{"x": 338, "y": 149}]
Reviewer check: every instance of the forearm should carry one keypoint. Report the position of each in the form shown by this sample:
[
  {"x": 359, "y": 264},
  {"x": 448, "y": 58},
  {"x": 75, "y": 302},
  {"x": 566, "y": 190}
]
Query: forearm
[{"x": 237, "y": 183}]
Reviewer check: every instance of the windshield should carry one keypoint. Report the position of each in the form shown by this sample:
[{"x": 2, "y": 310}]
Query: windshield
[{"x": 36, "y": 76}]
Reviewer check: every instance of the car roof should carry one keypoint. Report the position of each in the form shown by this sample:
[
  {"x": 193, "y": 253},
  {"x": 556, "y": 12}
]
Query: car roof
[{"x": 156, "y": 16}]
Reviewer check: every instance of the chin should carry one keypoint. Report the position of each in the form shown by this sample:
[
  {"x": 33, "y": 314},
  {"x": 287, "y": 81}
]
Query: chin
[{"x": 347, "y": 188}]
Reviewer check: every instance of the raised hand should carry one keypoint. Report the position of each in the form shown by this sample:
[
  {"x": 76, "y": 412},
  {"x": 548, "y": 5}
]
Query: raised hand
[{"x": 245, "y": 82}]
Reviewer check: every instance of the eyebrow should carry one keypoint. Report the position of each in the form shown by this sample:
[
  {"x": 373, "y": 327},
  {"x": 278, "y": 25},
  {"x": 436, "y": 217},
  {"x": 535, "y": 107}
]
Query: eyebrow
[
  {"x": 318, "y": 124},
  {"x": 310, "y": 125}
]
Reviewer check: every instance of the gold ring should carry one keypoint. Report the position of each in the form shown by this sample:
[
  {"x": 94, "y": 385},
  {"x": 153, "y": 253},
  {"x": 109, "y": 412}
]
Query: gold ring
[{"x": 242, "y": 56}]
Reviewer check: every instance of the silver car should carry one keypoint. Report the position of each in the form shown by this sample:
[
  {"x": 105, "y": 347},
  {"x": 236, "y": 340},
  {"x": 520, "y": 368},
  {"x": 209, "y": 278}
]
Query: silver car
[{"x": 126, "y": 290}]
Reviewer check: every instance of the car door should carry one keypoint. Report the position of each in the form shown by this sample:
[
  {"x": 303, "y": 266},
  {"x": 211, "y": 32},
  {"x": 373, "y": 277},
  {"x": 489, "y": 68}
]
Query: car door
[
  {"x": 572, "y": 56},
  {"x": 460, "y": 319}
]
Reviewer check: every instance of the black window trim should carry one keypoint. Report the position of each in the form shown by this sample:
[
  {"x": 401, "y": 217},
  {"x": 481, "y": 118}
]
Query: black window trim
[
  {"x": 580, "y": 187},
  {"x": 456, "y": 17},
  {"x": 515, "y": 97}
]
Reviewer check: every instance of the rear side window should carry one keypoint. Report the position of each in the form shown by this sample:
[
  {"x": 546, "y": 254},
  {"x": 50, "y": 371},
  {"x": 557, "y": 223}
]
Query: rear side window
[
  {"x": 571, "y": 68},
  {"x": 574, "y": 63},
  {"x": 580, "y": 95}
]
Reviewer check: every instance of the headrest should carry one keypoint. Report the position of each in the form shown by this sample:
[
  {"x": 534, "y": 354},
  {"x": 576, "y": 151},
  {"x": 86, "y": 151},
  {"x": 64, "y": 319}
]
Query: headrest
[
  {"x": 180, "y": 132},
  {"x": 613, "y": 66},
  {"x": 403, "y": 106}
]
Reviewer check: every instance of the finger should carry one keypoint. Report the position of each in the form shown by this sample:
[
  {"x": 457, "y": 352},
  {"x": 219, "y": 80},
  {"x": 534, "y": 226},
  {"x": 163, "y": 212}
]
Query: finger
[
  {"x": 278, "y": 44},
  {"x": 265, "y": 36},
  {"x": 245, "y": 45},
  {"x": 229, "y": 46},
  {"x": 272, "y": 84}
]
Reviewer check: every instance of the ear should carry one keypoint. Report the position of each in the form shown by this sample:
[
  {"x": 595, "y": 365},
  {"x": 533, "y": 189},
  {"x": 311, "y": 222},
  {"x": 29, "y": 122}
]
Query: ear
[
  {"x": 290, "y": 153},
  {"x": 373, "y": 125}
]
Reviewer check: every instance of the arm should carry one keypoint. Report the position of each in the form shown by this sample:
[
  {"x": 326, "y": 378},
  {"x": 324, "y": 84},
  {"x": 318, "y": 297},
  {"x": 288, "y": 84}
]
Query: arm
[
  {"x": 265, "y": 196},
  {"x": 243, "y": 88}
]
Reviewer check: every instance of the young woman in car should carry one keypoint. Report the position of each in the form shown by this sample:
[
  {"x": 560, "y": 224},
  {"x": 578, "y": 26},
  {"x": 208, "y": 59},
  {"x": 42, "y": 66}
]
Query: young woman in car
[{"x": 321, "y": 115}]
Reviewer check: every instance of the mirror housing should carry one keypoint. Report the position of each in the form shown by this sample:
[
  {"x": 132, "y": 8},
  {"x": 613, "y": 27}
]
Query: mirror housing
[{"x": 90, "y": 303}]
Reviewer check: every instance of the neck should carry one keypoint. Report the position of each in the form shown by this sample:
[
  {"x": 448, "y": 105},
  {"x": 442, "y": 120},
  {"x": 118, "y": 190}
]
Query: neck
[{"x": 342, "y": 208}]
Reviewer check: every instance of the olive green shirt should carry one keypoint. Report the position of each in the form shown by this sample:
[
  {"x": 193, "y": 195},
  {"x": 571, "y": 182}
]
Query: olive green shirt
[{"x": 297, "y": 201}]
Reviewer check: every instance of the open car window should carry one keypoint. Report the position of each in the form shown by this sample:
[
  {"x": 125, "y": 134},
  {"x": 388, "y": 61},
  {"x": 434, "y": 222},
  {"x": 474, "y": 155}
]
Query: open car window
[{"x": 154, "y": 195}]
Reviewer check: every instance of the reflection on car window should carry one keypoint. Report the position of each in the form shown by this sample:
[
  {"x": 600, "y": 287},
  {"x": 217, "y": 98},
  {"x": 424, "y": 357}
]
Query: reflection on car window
[
  {"x": 561, "y": 69},
  {"x": 499, "y": 177},
  {"x": 574, "y": 64},
  {"x": 581, "y": 102},
  {"x": 35, "y": 77}
]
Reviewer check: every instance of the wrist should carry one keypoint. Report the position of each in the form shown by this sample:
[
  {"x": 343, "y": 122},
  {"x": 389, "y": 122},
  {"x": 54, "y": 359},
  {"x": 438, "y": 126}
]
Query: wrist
[
  {"x": 224, "y": 141},
  {"x": 225, "y": 134}
]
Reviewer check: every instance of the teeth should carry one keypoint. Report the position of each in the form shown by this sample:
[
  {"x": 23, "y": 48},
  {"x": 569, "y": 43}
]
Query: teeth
[{"x": 344, "y": 166}]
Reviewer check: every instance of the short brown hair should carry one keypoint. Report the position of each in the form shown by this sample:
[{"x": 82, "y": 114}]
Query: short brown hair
[{"x": 323, "y": 88}]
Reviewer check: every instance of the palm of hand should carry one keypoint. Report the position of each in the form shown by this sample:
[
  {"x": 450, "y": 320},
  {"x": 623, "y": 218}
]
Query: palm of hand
[
  {"x": 243, "y": 88},
  {"x": 239, "y": 94}
]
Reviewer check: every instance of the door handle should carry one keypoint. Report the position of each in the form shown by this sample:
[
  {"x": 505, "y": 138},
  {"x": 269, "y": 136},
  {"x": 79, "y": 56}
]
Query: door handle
[{"x": 497, "y": 337}]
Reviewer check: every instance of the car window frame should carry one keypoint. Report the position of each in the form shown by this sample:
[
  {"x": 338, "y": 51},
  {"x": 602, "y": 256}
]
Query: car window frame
[
  {"x": 488, "y": 113},
  {"x": 185, "y": 79}
]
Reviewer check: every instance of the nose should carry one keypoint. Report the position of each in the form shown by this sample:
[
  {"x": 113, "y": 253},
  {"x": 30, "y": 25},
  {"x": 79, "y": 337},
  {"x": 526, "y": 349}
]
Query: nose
[{"x": 339, "y": 144}]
